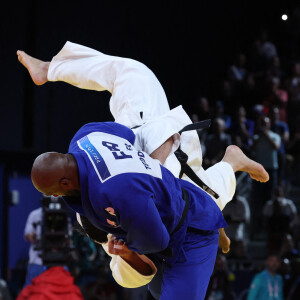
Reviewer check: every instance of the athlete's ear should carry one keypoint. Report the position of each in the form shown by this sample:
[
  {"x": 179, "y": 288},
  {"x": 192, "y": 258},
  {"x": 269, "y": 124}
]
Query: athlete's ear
[{"x": 65, "y": 183}]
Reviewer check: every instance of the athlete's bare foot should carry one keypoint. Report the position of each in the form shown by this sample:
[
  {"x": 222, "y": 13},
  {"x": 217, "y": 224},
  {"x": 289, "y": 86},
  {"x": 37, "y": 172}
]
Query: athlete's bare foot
[
  {"x": 240, "y": 162},
  {"x": 37, "y": 69},
  {"x": 224, "y": 241}
]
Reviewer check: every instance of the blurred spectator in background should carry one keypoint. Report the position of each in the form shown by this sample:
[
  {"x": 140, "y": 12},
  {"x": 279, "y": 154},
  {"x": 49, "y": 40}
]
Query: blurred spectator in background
[
  {"x": 237, "y": 71},
  {"x": 216, "y": 143},
  {"x": 274, "y": 69},
  {"x": 4, "y": 292},
  {"x": 294, "y": 31},
  {"x": 219, "y": 113},
  {"x": 228, "y": 94},
  {"x": 220, "y": 284},
  {"x": 242, "y": 130},
  {"x": 239, "y": 256},
  {"x": 274, "y": 96},
  {"x": 237, "y": 215},
  {"x": 265, "y": 147},
  {"x": 263, "y": 51},
  {"x": 288, "y": 249},
  {"x": 85, "y": 255},
  {"x": 32, "y": 233},
  {"x": 293, "y": 148},
  {"x": 293, "y": 82},
  {"x": 268, "y": 284},
  {"x": 248, "y": 93},
  {"x": 257, "y": 112},
  {"x": 293, "y": 88},
  {"x": 281, "y": 128},
  {"x": 202, "y": 110},
  {"x": 280, "y": 218},
  {"x": 292, "y": 288}
]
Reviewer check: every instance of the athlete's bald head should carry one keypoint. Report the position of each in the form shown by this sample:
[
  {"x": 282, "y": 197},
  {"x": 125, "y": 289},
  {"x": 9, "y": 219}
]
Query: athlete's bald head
[{"x": 54, "y": 173}]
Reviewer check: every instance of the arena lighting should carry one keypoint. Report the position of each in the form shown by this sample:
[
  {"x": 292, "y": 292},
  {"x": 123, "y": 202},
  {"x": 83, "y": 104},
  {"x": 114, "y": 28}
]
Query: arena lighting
[{"x": 284, "y": 17}]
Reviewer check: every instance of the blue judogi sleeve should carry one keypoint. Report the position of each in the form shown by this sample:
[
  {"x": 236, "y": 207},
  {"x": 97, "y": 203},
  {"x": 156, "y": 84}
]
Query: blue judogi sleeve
[
  {"x": 137, "y": 214},
  {"x": 131, "y": 194}
]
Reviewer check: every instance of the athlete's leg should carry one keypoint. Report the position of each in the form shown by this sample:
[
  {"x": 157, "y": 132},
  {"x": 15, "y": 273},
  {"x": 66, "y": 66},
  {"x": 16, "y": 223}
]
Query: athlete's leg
[
  {"x": 37, "y": 69},
  {"x": 224, "y": 241},
  {"x": 137, "y": 95},
  {"x": 240, "y": 162},
  {"x": 189, "y": 278}
]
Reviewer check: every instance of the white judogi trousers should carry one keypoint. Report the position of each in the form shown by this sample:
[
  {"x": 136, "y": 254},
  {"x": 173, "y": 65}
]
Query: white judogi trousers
[{"x": 138, "y": 99}]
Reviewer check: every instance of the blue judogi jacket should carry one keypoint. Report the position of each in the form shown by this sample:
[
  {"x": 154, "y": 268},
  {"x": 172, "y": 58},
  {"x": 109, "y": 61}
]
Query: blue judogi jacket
[{"x": 127, "y": 193}]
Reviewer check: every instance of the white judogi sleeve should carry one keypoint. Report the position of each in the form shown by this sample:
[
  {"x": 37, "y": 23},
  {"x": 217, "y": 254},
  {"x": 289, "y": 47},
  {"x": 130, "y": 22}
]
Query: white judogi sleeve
[
  {"x": 122, "y": 272},
  {"x": 125, "y": 275}
]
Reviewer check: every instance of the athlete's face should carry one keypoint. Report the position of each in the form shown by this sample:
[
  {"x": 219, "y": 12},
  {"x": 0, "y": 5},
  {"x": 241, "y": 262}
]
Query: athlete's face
[
  {"x": 53, "y": 191},
  {"x": 64, "y": 187},
  {"x": 59, "y": 192}
]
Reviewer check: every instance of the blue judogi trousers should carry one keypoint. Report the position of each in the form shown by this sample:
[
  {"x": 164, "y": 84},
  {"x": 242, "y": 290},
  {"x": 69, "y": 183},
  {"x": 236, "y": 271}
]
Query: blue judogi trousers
[{"x": 188, "y": 278}]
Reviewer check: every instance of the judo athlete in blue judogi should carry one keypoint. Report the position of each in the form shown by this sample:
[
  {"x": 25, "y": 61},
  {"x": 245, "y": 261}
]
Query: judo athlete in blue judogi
[{"x": 124, "y": 192}]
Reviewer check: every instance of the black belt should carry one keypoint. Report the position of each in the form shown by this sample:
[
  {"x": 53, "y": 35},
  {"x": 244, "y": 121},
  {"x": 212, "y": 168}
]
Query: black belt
[
  {"x": 196, "y": 126},
  {"x": 185, "y": 196},
  {"x": 183, "y": 158},
  {"x": 186, "y": 169}
]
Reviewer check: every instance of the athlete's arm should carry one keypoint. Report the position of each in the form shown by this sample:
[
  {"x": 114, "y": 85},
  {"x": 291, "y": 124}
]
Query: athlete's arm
[
  {"x": 163, "y": 151},
  {"x": 131, "y": 272},
  {"x": 118, "y": 247},
  {"x": 137, "y": 214}
]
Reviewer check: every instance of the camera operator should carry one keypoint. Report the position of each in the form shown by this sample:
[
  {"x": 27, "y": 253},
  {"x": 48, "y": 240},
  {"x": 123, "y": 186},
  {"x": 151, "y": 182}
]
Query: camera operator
[
  {"x": 45, "y": 227},
  {"x": 32, "y": 234}
]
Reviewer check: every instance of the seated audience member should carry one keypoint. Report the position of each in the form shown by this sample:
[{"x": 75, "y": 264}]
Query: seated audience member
[
  {"x": 202, "y": 110},
  {"x": 219, "y": 113},
  {"x": 265, "y": 50},
  {"x": 275, "y": 97},
  {"x": 216, "y": 143},
  {"x": 265, "y": 150},
  {"x": 220, "y": 284},
  {"x": 265, "y": 147},
  {"x": 237, "y": 71},
  {"x": 274, "y": 68},
  {"x": 238, "y": 256},
  {"x": 4, "y": 291},
  {"x": 228, "y": 95},
  {"x": 268, "y": 284},
  {"x": 288, "y": 249},
  {"x": 242, "y": 130},
  {"x": 280, "y": 217},
  {"x": 293, "y": 83},
  {"x": 84, "y": 255},
  {"x": 281, "y": 128},
  {"x": 55, "y": 283},
  {"x": 293, "y": 88},
  {"x": 292, "y": 288},
  {"x": 237, "y": 215},
  {"x": 293, "y": 148}
]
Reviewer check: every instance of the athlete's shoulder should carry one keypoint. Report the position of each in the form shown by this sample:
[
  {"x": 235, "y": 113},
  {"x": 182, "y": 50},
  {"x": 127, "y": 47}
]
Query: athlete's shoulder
[{"x": 106, "y": 127}]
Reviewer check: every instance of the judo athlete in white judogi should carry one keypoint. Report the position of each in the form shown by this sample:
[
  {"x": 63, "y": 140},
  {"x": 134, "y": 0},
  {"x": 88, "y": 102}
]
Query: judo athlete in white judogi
[{"x": 139, "y": 100}]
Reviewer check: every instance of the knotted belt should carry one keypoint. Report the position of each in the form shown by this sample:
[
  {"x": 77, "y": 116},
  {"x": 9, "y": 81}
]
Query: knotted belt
[{"x": 183, "y": 158}]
